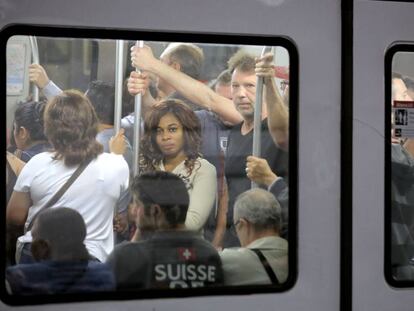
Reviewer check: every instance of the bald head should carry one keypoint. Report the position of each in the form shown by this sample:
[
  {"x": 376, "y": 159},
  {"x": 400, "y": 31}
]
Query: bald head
[{"x": 260, "y": 208}]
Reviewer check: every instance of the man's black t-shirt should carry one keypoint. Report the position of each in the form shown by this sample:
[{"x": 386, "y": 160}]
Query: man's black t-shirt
[
  {"x": 238, "y": 149},
  {"x": 169, "y": 259}
]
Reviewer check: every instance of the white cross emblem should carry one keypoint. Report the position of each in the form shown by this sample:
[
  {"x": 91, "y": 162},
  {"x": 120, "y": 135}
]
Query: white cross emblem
[{"x": 187, "y": 254}]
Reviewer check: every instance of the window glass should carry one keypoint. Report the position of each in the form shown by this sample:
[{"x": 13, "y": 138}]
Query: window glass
[
  {"x": 193, "y": 192},
  {"x": 400, "y": 184}
]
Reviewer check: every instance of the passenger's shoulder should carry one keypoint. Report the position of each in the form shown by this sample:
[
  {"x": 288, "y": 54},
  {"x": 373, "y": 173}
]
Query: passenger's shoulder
[
  {"x": 269, "y": 242},
  {"x": 204, "y": 243},
  {"x": 233, "y": 253},
  {"x": 400, "y": 155},
  {"x": 112, "y": 159},
  {"x": 236, "y": 127},
  {"x": 201, "y": 113},
  {"x": 127, "y": 249},
  {"x": 205, "y": 164},
  {"x": 42, "y": 157},
  {"x": 206, "y": 115},
  {"x": 26, "y": 268},
  {"x": 206, "y": 167}
]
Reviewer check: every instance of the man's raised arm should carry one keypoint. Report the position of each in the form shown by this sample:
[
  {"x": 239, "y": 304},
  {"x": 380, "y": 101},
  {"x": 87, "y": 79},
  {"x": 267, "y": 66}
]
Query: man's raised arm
[
  {"x": 278, "y": 114},
  {"x": 190, "y": 88},
  {"x": 38, "y": 76}
]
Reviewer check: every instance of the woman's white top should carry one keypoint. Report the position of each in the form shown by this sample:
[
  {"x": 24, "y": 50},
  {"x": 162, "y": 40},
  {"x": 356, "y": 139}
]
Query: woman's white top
[{"x": 93, "y": 194}]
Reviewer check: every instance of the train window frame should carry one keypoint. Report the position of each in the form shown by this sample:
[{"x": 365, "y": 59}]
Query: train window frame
[
  {"x": 390, "y": 53},
  {"x": 162, "y": 35}
]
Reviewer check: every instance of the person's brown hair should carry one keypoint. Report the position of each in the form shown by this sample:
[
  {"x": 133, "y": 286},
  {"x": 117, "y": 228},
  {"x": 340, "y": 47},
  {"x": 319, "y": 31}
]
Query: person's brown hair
[
  {"x": 243, "y": 61},
  {"x": 151, "y": 155},
  {"x": 189, "y": 56},
  {"x": 223, "y": 78},
  {"x": 71, "y": 125}
]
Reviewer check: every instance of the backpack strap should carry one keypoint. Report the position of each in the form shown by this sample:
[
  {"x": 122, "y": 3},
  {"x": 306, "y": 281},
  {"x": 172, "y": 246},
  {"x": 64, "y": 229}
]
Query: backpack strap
[
  {"x": 61, "y": 191},
  {"x": 266, "y": 266}
]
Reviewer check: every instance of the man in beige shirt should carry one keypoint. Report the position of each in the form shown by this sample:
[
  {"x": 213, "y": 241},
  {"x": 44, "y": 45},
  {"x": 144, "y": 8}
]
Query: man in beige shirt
[{"x": 257, "y": 220}]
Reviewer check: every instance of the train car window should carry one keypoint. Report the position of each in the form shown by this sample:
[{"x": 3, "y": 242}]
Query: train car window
[
  {"x": 399, "y": 249},
  {"x": 160, "y": 167},
  {"x": 77, "y": 57}
]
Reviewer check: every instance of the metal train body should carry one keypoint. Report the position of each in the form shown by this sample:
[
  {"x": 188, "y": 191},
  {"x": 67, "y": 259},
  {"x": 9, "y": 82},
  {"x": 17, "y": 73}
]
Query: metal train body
[{"x": 340, "y": 149}]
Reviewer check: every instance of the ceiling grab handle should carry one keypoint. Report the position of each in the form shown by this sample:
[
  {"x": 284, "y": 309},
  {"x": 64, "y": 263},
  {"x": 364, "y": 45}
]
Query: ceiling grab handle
[
  {"x": 137, "y": 123},
  {"x": 119, "y": 73},
  {"x": 258, "y": 118},
  {"x": 35, "y": 57}
]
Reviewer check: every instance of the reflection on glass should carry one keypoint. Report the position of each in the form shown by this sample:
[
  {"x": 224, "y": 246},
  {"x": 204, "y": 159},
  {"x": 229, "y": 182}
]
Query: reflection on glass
[
  {"x": 402, "y": 167},
  {"x": 188, "y": 219}
]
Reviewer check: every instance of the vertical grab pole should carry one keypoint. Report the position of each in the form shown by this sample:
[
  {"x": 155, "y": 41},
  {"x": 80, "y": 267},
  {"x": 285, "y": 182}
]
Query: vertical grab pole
[
  {"x": 119, "y": 73},
  {"x": 137, "y": 123},
  {"x": 35, "y": 56},
  {"x": 258, "y": 118}
]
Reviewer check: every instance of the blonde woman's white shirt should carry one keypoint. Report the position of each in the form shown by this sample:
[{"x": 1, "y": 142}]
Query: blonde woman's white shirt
[{"x": 93, "y": 194}]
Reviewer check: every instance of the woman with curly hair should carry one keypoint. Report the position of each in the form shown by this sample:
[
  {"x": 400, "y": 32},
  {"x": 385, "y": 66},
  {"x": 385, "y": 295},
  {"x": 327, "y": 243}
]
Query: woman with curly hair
[
  {"x": 172, "y": 143},
  {"x": 71, "y": 126}
]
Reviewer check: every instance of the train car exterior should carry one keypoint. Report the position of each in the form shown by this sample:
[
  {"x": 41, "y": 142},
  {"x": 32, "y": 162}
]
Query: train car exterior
[
  {"x": 372, "y": 82},
  {"x": 340, "y": 226}
]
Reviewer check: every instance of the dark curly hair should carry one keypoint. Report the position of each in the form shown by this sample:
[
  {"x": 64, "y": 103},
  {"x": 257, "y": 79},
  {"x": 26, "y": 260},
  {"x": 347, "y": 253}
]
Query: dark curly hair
[
  {"x": 71, "y": 125},
  {"x": 151, "y": 155},
  {"x": 29, "y": 114}
]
